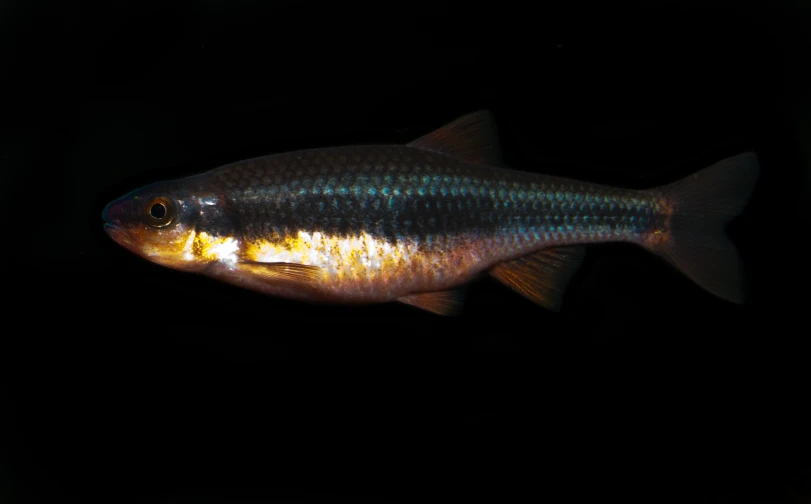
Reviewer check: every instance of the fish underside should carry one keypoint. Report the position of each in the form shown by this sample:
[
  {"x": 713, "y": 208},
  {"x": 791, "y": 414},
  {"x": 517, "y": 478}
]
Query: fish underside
[{"x": 416, "y": 222}]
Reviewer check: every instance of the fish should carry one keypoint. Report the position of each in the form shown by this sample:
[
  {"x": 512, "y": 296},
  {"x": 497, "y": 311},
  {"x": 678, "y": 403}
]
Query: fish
[{"x": 416, "y": 223}]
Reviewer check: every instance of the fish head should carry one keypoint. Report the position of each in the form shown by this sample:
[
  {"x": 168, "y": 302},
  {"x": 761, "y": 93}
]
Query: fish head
[{"x": 162, "y": 223}]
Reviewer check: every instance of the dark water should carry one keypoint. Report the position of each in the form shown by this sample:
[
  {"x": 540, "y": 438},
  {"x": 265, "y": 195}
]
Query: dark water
[{"x": 126, "y": 382}]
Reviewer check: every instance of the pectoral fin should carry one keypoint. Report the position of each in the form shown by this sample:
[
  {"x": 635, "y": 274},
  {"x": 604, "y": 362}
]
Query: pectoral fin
[{"x": 285, "y": 272}]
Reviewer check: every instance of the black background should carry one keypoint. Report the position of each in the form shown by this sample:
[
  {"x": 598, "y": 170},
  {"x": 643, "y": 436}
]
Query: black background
[{"x": 128, "y": 382}]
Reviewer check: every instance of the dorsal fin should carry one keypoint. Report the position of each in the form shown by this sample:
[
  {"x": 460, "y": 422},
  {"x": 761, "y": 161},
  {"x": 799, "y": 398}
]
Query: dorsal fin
[{"x": 472, "y": 137}]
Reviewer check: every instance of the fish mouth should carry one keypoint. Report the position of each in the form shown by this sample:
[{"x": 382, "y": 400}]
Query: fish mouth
[{"x": 119, "y": 234}]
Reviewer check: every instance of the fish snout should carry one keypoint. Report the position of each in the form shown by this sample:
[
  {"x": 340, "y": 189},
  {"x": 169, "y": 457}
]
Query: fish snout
[
  {"x": 118, "y": 212},
  {"x": 116, "y": 215}
]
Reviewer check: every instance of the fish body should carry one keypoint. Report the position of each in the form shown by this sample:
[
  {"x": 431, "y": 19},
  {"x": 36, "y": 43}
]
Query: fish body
[{"x": 413, "y": 223}]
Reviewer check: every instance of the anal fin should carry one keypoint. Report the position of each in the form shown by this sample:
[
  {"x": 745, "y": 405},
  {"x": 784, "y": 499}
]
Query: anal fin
[
  {"x": 447, "y": 302},
  {"x": 542, "y": 277}
]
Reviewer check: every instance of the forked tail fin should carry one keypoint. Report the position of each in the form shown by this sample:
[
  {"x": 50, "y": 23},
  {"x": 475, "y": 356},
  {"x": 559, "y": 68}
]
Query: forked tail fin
[{"x": 702, "y": 205}]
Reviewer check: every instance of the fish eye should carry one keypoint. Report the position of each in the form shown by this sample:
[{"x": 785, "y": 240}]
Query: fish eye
[{"x": 160, "y": 212}]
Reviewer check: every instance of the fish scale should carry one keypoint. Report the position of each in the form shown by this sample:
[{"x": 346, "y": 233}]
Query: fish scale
[
  {"x": 422, "y": 194},
  {"x": 441, "y": 220},
  {"x": 413, "y": 223}
]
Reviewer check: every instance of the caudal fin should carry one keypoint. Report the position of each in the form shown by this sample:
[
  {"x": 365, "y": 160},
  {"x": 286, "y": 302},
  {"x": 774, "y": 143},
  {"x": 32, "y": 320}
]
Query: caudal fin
[{"x": 702, "y": 205}]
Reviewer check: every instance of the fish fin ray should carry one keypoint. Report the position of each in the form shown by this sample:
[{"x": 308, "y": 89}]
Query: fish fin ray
[
  {"x": 696, "y": 241},
  {"x": 542, "y": 277},
  {"x": 282, "y": 271},
  {"x": 472, "y": 137},
  {"x": 447, "y": 302}
]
